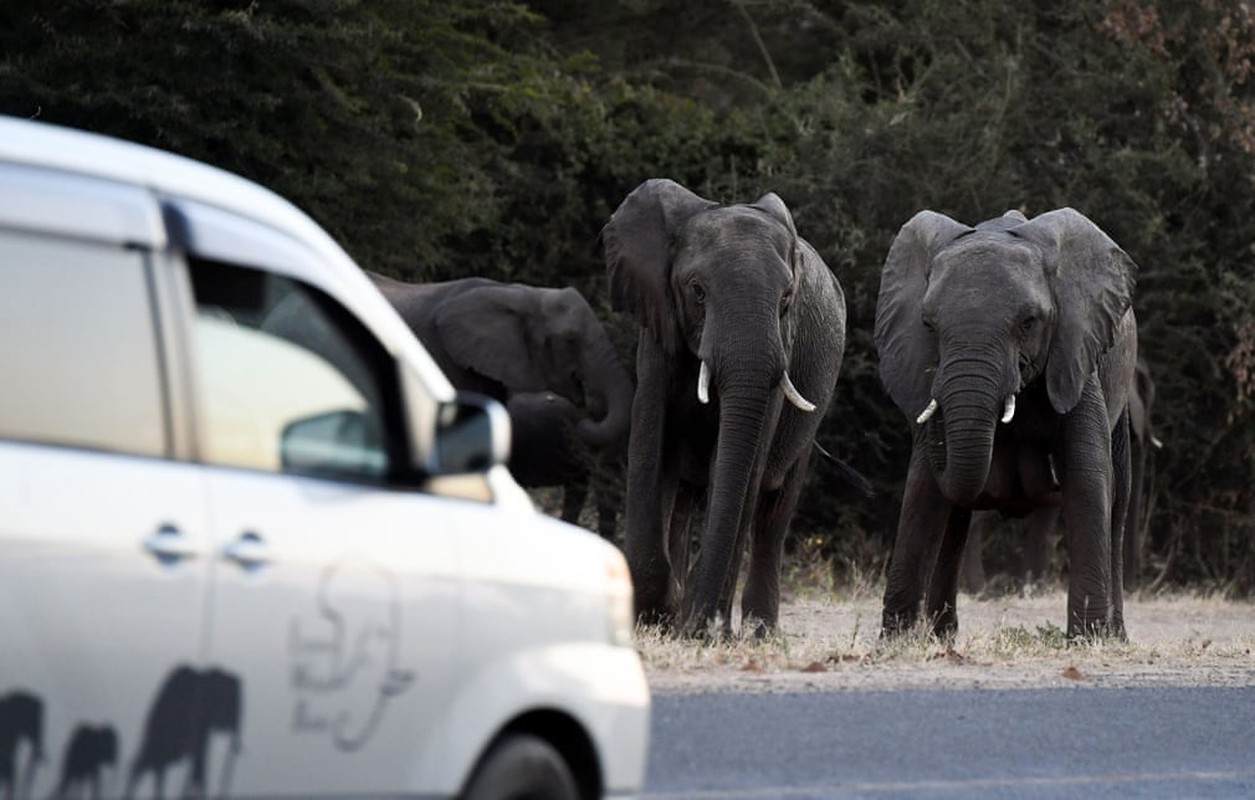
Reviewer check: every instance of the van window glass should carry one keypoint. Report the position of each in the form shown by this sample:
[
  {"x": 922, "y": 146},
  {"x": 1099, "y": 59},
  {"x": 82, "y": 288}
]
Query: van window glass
[
  {"x": 289, "y": 381},
  {"x": 78, "y": 348}
]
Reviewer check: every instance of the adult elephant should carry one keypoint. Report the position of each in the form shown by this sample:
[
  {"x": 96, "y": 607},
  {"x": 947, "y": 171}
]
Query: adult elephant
[
  {"x": 1040, "y": 530},
  {"x": 1010, "y": 347},
  {"x": 21, "y": 723},
  {"x": 546, "y": 451},
  {"x": 191, "y": 705},
  {"x": 742, "y": 333},
  {"x": 501, "y": 339}
]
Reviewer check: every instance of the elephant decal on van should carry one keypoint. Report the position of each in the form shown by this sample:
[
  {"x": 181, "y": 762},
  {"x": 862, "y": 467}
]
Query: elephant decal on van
[
  {"x": 175, "y": 733},
  {"x": 21, "y": 728},
  {"x": 345, "y": 660}
]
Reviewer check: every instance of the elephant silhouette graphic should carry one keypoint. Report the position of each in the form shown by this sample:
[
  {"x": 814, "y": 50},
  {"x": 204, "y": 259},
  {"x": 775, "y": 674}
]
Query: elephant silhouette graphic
[
  {"x": 21, "y": 719},
  {"x": 190, "y": 706},
  {"x": 90, "y": 749}
]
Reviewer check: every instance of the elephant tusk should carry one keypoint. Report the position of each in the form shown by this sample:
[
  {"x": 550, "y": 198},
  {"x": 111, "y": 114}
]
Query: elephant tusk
[
  {"x": 1156, "y": 442},
  {"x": 927, "y": 413},
  {"x": 703, "y": 384},
  {"x": 795, "y": 397},
  {"x": 1008, "y": 413}
]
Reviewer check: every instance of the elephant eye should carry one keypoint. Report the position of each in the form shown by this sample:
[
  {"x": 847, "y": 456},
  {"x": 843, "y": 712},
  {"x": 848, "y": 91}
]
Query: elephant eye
[
  {"x": 1028, "y": 324},
  {"x": 699, "y": 292},
  {"x": 785, "y": 301}
]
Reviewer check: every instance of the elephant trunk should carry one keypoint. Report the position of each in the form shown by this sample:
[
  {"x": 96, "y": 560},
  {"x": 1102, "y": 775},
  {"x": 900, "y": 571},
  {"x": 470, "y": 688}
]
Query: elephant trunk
[
  {"x": 742, "y": 417},
  {"x": 747, "y": 389},
  {"x": 961, "y": 436},
  {"x": 608, "y": 393}
]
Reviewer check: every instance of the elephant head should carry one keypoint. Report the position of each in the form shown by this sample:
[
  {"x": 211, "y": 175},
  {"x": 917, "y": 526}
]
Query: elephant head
[
  {"x": 723, "y": 295},
  {"x": 508, "y": 338},
  {"x": 697, "y": 274},
  {"x": 969, "y": 317}
]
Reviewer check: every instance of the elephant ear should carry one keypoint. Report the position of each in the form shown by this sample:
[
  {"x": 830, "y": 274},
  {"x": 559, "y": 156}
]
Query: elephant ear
[
  {"x": 907, "y": 351},
  {"x": 775, "y": 208},
  {"x": 484, "y": 330},
  {"x": 639, "y": 242},
  {"x": 1093, "y": 282}
]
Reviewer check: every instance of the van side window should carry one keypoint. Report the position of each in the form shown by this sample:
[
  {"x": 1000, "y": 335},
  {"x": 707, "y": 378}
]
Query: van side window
[
  {"x": 78, "y": 347},
  {"x": 289, "y": 381}
]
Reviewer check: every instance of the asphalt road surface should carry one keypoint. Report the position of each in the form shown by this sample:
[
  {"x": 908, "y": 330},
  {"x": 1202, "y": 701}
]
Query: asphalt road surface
[{"x": 1050, "y": 743}]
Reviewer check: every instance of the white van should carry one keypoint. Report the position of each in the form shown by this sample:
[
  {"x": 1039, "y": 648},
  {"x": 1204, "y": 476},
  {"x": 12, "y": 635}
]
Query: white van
[{"x": 252, "y": 544}]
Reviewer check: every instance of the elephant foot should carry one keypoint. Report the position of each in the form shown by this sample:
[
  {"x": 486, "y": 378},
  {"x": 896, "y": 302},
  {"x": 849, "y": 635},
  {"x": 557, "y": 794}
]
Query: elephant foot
[
  {"x": 1093, "y": 630},
  {"x": 709, "y": 628},
  {"x": 757, "y": 627},
  {"x": 655, "y": 618},
  {"x": 895, "y": 624},
  {"x": 658, "y": 608},
  {"x": 945, "y": 625}
]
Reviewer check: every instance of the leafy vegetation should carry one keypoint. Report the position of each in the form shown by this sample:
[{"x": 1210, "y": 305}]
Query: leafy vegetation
[{"x": 495, "y": 137}]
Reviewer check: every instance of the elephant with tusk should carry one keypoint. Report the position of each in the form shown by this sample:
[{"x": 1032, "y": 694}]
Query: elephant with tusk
[
  {"x": 1011, "y": 346},
  {"x": 741, "y": 341}
]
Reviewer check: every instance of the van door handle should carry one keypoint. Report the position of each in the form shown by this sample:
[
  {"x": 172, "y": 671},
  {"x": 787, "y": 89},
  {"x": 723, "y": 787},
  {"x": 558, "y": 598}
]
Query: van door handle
[
  {"x": 248, "y": 552},
  {"x": 169, "y": 545}
]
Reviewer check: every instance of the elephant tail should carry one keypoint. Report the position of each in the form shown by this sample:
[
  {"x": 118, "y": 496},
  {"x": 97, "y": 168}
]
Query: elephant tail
[{"x": 846, "y": 475}]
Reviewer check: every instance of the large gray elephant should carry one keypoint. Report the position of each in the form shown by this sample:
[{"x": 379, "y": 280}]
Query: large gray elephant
[
  {"x": 1041, "y": 526},
  {"x": 545, "y": 451},
  {"x": 501, "y": 339},
  {"x": 1010, "y": 347},
  {"x": 742, "y": 335}
]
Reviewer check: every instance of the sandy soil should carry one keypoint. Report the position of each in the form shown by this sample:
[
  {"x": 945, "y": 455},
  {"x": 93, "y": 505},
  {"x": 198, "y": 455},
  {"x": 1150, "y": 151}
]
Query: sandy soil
[{"x": 827, "y": 644}]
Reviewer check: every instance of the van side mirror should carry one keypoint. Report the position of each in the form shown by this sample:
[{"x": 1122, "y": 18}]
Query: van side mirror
[
  {"x": 335, "y": 443},
  {"x": 472, "y": 435}
]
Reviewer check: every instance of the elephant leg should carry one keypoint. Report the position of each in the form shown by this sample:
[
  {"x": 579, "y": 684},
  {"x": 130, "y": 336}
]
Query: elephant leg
[
  {"x": 943, "y": 586},
  {"x": 607, "y": 521},
  {"x": 648, "y": 505},
  {"x": 1133, "y": 520},
  {"x": 760, "y": 602},
  {"x": 1039, "y": 543},
  {"x": 574, "y": 495},
  {"x": 683, "y": 511},
  {"x": 1087, "y": 506},
  {"x": 921, "y": 527},
  {"x": 972, "y": 566},
  {"x": 1121, "y": 481}
]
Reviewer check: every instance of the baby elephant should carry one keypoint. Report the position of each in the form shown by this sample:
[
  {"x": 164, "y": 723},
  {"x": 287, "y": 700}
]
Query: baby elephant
[{"x": 90, "y": 750}]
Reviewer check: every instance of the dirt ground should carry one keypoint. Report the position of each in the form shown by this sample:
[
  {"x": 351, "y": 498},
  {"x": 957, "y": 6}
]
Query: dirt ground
[{"x": 832, "y": 644}]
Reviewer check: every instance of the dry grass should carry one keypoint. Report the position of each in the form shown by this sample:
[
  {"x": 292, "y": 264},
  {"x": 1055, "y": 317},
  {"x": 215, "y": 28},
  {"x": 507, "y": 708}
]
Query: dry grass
[{"x": 830, "y": 640}]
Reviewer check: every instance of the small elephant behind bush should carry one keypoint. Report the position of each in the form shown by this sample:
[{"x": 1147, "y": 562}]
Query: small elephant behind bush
[{"x": 543, "y": 353}]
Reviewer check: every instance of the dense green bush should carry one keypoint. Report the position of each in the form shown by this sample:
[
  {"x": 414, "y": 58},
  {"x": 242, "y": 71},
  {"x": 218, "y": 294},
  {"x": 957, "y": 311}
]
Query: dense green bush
[{"x": 440, "y": 139}]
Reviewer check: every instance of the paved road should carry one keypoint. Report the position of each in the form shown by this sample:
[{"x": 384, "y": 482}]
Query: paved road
[{"x": 1053, "y": 743}]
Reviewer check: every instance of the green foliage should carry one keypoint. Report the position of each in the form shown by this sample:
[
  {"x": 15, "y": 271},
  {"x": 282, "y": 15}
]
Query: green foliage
[{"x": 440, "y": 139}]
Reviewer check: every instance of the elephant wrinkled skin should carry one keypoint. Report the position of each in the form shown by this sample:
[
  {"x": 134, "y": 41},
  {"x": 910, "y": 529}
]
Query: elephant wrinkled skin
[
  {"x": 742, "y": 334},
  {"x": 1010, "y": 347}
]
